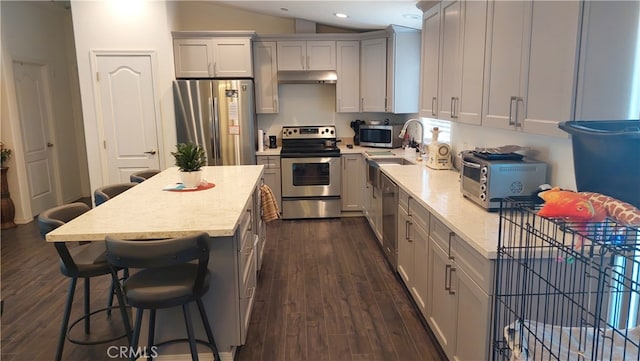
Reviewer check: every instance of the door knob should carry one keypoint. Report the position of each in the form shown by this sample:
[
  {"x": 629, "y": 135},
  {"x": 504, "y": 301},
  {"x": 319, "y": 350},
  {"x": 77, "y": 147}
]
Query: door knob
[
  {"x": 49, "y": 144},
  {"x": 152, "y": 152}
]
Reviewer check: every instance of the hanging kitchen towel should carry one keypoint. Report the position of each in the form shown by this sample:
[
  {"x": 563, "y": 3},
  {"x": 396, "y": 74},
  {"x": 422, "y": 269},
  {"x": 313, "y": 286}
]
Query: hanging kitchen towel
[{"x": 269, "y": 204}]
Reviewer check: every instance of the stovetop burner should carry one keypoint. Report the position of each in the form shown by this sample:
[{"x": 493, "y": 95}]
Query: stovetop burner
[{"x": 309, "y": 141}]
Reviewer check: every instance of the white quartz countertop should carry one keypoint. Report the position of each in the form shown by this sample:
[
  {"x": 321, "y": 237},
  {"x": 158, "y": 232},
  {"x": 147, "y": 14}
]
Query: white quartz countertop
[
  {"x": 439, "y": 192},
  {"x": 146, "y": 211}
]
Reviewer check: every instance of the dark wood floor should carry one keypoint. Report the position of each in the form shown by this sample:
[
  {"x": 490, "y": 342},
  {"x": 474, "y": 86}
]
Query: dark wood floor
[{"x": 324, "y": 293}]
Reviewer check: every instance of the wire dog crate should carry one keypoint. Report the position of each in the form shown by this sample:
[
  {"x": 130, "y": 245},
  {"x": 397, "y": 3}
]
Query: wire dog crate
[{"x": 565, "y": 291}]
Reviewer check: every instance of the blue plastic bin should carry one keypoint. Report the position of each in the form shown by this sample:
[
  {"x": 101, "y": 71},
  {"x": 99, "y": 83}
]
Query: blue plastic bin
[{"x": 606, "y": 157}]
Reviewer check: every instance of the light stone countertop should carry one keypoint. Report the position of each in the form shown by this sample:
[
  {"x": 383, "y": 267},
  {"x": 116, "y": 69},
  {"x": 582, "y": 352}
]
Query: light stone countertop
[
  {"x": 439, "y": 192},
  {"x": 269, "y": 151},
  {"x": 146, "y": 211}
]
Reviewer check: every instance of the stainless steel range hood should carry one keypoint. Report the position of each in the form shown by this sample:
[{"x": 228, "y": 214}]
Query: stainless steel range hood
[{"x": 307, "y": 77}]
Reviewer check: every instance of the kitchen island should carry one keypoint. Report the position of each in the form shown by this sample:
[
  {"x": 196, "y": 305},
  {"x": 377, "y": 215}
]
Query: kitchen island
[{"x": 229, "y": 213}]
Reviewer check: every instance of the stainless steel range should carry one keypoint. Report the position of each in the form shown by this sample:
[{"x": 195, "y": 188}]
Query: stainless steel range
[{"x": 310, "y": 165}]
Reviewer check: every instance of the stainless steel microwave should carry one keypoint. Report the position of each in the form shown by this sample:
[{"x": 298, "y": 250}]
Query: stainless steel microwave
[{"x": 381, "y": 136}]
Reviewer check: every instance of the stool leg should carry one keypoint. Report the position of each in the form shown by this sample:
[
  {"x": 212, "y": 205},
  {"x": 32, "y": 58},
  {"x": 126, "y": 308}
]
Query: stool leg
[
  {"x": 110, "y": 300},
  {"x": 87, "y": 307},
  {"x": 207, "y": 329},
  {"x": 152, "y": 330},
  {"x": 121, "y": 304},
  {"x": 191, "y": 337},
  {"x": 65, "y": 318},
  {"x": 136, "y": 332}
]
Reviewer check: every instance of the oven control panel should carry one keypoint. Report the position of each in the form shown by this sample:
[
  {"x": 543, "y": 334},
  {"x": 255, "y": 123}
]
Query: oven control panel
[{"x": 309, "y": 132}]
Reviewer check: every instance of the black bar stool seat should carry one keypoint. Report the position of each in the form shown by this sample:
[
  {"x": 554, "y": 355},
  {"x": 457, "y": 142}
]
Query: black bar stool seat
[
  {"x": 166, "y": 277},
  {"x": 84, "y": 261}
]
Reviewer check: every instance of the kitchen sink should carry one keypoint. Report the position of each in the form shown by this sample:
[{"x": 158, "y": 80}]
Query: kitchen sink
[{"x": 400, "y": 161}]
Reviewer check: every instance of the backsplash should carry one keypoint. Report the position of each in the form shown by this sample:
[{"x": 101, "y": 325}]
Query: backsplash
[{"x": 315, "y": 104}]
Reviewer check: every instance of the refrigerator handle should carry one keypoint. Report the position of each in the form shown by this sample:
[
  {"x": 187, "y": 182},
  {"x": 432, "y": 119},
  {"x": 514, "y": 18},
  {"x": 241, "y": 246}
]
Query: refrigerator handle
[{"x": 215, "y": 134}]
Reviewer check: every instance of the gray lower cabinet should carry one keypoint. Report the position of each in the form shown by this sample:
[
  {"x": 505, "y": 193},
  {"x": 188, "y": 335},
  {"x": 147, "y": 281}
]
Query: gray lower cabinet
[
  {"x": 271, "y": 175},
  {"x": 449, "y": 281},
  {"x": 413, "y": 247},
  {"x": 352, "y": 182},
  {"x": 460, "y": 284}
]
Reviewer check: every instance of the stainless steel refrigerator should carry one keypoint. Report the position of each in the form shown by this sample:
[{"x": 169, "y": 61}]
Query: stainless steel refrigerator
[{"x": 219, "y": 115}]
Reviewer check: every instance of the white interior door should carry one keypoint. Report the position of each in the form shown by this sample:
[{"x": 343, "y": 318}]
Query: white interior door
[
  {"x": 33, "y": 106},
  {"x": 128, "y": 113}
]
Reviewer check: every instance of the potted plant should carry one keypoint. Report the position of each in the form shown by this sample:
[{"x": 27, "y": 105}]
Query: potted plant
[
  {"x": 5, "y": 153},
  {"x": 190, "y": 158},
  {"x": 7, "y": 209}
]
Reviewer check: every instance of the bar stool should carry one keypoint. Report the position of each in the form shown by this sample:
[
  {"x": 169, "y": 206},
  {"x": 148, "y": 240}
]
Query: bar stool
[
  {"x": 105, "y": 193},
  {"x": 166, "y": 277},
  {"x": 143, "y": 175},
  {"x": 84, "y": 261}
]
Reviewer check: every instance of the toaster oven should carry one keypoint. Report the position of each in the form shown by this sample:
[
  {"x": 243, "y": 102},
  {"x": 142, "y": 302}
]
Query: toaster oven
[{"x": 486, "y": 182}]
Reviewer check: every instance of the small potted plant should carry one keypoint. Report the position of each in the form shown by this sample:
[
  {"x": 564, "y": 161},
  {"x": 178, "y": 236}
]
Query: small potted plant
[
  {"x": 190, "y": 158},
  {"x": 5, "y": 153}
]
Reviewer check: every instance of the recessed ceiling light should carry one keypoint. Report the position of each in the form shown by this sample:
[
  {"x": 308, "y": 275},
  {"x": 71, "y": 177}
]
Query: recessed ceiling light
[
  {"x": 341, "y": 15},
  {"x": 284, "y": 9},
  {"x": 411, "y": 16}
]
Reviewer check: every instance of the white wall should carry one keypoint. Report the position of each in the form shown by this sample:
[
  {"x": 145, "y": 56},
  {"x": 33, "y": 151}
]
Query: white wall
[
  {"x": 315, "y": 104},
  {"x": 41, "y": 33},
  {"x": 555, "y": 151},
  {"x": 123, "y": 26}
]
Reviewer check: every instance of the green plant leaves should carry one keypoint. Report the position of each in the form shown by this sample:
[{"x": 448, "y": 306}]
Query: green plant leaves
[{"x": 189, "y": 157}]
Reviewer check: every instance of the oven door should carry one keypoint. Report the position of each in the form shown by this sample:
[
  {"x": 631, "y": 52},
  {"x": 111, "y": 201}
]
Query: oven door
[{"x": 310, "y": 177}]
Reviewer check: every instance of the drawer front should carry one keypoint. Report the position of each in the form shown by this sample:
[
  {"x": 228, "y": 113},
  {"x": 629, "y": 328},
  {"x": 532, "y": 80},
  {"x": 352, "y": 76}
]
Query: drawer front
[
  {"x": 403, "y": 200},
  {"x": 244, "y": 229},
  {"x": 247, "y": 296},
  {"x": 245, "y": 255},
  {"x": 476, "y": 266},
  {"x": 419, "y": 214},
  {"x": 440, "y": 233},
  {"x": 270, "y": 162}
]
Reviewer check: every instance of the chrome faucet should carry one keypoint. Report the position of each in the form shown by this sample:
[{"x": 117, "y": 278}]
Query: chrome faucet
[{"x": 404, "y": 130}]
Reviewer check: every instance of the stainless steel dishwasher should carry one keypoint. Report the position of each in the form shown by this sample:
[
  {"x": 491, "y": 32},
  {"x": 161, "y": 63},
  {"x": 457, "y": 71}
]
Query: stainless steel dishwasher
[{"x": 389, "y": 220}]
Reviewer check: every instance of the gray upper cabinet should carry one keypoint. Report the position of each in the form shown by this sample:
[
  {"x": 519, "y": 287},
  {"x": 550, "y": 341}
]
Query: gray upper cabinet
[
  {"x": 531, "y": 65},
  {"x": 306, "y": 55},
  {"x": 212, "y": 54},
  {"x": 403, "y": 69},
  {"x": 607, "y": 78},
  {"x": 266, "y": 77},
  {"x": 373, "y": 75}
]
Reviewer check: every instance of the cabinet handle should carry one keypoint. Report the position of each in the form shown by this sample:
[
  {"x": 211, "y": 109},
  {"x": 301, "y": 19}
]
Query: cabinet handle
[
  {"x": 302, "y": 62},
  {"x": 361, "y": 104},
  {"x": 250, "y": 221},
  {"x": 308, "y": 63},
  {"x": 409, "y": 206},
  {"x": 275, "y": 103},
  {"x": 511, "y": 121},
  {"x": 451, "y": 234},
  {"x": 447, "y": 275},
  {"x": 210, "y": 69},
  {"x": 516, "y": 123},
  {"x": 451, "y": 290},
  {"x": 433, "y": 106},
  {"x": 456, "y": 103},
  {"x": 214, "y": 68},
  {"x": 451, "y": 107},
  {"x": 407, "y": 230}
]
